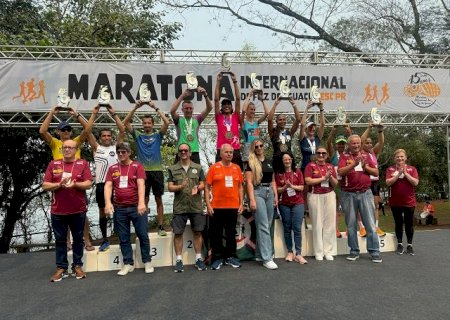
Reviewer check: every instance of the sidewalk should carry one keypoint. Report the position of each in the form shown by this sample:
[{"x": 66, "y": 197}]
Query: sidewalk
[{"x": 402, "y": 287}]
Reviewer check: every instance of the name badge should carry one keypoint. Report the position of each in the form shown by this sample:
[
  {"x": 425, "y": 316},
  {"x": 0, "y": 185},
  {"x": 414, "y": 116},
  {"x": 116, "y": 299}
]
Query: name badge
[
  {"x": 229, "y": 181},
  {"x": 359, "y": 167},
  {"x": 325, "y": 184},
  {"x": 290, "y": 192},
  {"x": 123, "y": 182}
]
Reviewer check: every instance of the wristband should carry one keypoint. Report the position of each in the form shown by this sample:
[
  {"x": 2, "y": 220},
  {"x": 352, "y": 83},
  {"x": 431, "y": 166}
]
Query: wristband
[
  {"x": 78, "y": 115},
  {"x": 156, "y": 109},
  {"x": 235, "y": 81},
  {"x": 113, "y": 114},
  {"x": 321, "y": 110},
  {"x": 205, "y": 95}
]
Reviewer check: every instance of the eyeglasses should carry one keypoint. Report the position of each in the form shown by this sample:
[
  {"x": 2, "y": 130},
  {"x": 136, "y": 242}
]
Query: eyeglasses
[
  {"x": 65, "y": 130},
  {"x": 183, "y": 150},
  {"x": 259, "y": 146},
  {"x": 322, "y": 153},
  {"x": 68, "y": 148},
  {"x": 122, "y": 151}
]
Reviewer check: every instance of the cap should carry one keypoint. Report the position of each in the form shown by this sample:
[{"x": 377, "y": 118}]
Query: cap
[
  {"x": 123, "y": 146},
  {"x": 310, "y": 123},
  {"x": 64, "y": 125},
  {"x": 226, "y": 101},
  {"x": 340, "y": 139}
]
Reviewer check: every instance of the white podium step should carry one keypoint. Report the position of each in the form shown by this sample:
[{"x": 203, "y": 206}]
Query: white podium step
[{"x": 160, "y": 250}]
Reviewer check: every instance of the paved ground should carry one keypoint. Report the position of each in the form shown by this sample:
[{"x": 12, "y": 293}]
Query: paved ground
[{"x": 402, "y": 287}]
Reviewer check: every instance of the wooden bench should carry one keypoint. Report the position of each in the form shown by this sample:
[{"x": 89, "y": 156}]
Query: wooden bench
[{"x": 25, "y": 247}]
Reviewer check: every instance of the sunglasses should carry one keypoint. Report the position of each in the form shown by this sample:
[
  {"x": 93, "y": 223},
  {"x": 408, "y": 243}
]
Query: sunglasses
[
  {"x": 322, "y": 153},
  {"x": 69, "y": 148},
  {"x": 259, "y": 146},
  {"x": 183, "y": 150},
  {"x": 65, "y": 129},
  {"x": 122, "y": 152}
]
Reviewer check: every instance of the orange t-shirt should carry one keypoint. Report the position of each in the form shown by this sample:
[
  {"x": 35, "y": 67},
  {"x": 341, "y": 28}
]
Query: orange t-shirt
[{"x": 225, "y": 182}]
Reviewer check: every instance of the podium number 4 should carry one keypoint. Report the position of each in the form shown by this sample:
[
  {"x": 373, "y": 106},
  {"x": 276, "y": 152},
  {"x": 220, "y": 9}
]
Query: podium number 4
[{"x": 116, "y": 260}]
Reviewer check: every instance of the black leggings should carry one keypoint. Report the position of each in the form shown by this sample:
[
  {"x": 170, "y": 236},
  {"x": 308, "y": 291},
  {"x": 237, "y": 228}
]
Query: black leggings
[{"x": 403, "y": 215}]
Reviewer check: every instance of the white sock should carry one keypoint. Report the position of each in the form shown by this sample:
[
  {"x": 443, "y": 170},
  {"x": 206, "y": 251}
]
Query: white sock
[
  {"x": 179, "y": 257},
  {"x": 198, "y": 256}
]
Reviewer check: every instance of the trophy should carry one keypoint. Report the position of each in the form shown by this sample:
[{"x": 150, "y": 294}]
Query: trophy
[
  {"x": 191, "y": 80},
  {"x": 341, "y": 117},
  {"x": 285, "y": 91},
  {"x": 226, "y": 64},
  {"x": 104, "y": 96},
  {"x": 144, "y": 93},
  {"x": 376, "y": 117},
  {"x": 63, "y": 99},
  {"x": 256, "y": 85},
  {"x": 315, "y": 95}
]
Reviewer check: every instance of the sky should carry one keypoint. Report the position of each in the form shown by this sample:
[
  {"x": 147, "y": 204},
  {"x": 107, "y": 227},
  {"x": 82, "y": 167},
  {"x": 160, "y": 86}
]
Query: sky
[{"x": 200, "y": 32}]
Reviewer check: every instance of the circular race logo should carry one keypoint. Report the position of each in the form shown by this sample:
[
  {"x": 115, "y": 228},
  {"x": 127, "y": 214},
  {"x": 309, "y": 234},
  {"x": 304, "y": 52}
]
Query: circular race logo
[{"x": 422, "y": 89}]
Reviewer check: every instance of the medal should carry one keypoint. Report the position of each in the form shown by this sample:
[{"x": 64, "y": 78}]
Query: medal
[
  {"x": 190, "y": 137},
  {"x": 283, "y": 148},
  {"x": 229, "y": 135}
]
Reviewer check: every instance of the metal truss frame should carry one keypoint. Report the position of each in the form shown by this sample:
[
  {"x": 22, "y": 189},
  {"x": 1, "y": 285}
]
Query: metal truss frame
[
  {"x": 28, "y": 119},
  {"x": 11, "y": 52}
]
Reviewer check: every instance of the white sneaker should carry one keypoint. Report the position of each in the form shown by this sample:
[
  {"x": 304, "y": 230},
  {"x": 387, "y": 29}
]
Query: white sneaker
[
  {"x": 319, "y": 258},
  {"x": 329, "y": 257},
  {"x": 148, "y": 267},
  {"x": 270, "y": 265},
  {"x": 125, "y": 269}
]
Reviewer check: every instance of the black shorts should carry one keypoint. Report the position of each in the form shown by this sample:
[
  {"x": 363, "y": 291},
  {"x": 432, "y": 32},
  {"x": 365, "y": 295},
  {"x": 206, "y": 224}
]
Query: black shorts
[
  {"x": 237, "y": 158},
  {"x": 100, "y": 195},
  {"x": 198, "y": 222},
  {"x": 155, "y": 182},
  {"x": 375, "y": 187}
]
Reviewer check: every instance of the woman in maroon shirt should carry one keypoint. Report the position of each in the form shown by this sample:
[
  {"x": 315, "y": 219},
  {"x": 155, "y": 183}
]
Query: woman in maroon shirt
[
  {"x": 321, "y": 176},
  {"x": 402, "y": 179}
]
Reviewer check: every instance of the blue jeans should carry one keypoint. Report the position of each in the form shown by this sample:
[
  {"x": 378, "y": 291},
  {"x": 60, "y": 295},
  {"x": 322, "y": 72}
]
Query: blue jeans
[
  {"x": 352, "y": 203},
  {"x": 263, "y": 221},
  {"x": 122, "y": 219},
  {"x": 61, "y": 225},
  {"x": 292, "y": 217}
]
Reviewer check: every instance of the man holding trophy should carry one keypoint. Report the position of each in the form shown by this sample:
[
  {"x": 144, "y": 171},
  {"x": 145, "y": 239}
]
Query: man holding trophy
[
  {"x": 149, "y": 154},
  {"x": 228, "y": 120}
]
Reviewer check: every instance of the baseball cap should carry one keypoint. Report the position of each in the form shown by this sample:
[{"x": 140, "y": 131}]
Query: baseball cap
[
  {"x": 310, "y": 123},
  {"x": 123, "y": 146},
  {"x": 340, "y": 138},
  {"x": 64, "y": 125}
]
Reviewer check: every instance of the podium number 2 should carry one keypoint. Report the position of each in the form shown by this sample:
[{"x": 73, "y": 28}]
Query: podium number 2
[{"x": 189, "y": 244}]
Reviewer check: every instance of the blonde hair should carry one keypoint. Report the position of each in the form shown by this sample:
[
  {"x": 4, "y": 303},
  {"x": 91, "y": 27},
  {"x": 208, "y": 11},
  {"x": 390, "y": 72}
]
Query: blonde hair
[
  {"x": 400, "y": 150},
  {"x": 255, "y": 164}
]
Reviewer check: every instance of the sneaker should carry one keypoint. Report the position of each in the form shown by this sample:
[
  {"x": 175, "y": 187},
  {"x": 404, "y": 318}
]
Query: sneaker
[
  {"x": 318, "y": 258},
  {"x": 270, "y": 265},
  {"x": 329, "y": 257},
  {"x": 104, "y": 246},
  {"x": 362, "y": 232},
  {"x": 234, "y": 262},
  {"x": 149, "y": 267},
  {"x": 162, "y": 233},
  {"x": 78, "y": 272},
  {"x": 125, "y": 269},
  {"x": 409, "y": 250},
  {"x": 400, "y": 249},
  {"x": 257, "y": 259},
  {"x": 300, "y": 259},
  {"x": 376, "y": 258},
  {"x": 178, "y": 266},
  {"x": 290, "y": 257},
  {"x": 352, "y": 257},
  {"x": 200, "y": 265},
  {"x": 60, "y": 274},
  {"x": 216, "y": 264},
  {"x": 380, "y": 232}
]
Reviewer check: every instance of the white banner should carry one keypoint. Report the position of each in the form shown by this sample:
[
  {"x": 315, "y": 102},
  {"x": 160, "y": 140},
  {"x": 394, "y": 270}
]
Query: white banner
[{"x": 34, "y": 85}]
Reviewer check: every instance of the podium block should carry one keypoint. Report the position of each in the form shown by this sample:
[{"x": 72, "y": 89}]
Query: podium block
[
  {"x": 112, "y": 259},
  {"x": 388, "y": 243},
  {"x": 89, "y": 260},
  {"x": 342, "y": 245},
  {"x": 278, "y": 240},
  {"x": 160, "y": 250},
  {"x": 188, "y": 254}
]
